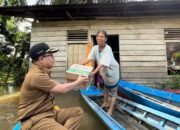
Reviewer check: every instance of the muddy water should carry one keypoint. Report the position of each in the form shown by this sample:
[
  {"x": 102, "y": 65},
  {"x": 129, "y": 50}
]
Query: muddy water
[{"x": 8, "y": 111}]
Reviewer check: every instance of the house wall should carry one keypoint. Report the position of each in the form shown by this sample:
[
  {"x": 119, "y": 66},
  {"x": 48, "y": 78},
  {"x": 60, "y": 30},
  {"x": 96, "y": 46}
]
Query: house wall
[{"x": 141, "y": 44}]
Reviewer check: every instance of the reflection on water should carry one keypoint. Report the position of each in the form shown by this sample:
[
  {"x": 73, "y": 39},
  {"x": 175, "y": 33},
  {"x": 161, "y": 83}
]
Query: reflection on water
[
  {"x": 90, "y": 120},
  {"x": 8, "y": 111}
]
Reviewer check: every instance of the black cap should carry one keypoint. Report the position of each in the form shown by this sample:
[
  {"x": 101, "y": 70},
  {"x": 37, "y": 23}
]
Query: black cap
[{"x": 40, "y": 49}]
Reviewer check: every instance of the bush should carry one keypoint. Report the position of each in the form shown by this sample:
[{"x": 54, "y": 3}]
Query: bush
[{"x": 172, "y": 83}]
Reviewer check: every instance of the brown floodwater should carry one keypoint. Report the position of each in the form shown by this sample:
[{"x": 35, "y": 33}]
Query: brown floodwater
[{"x": 8, "y": 111}]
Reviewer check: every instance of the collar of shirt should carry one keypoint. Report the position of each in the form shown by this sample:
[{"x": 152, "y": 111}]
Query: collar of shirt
[{"x": 44, "y": 70}]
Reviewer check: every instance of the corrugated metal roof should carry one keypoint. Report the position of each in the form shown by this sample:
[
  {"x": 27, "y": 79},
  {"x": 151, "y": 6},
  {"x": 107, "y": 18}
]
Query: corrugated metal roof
[{"x": 95, "y": 11}]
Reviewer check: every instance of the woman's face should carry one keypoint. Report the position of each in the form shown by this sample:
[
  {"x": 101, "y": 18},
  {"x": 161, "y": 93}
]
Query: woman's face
[{"x": 101, "y": 39}]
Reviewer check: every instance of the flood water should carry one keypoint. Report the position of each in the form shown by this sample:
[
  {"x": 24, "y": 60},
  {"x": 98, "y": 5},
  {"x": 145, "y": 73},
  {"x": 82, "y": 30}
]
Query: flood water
[{"x": 8, "y": 111}]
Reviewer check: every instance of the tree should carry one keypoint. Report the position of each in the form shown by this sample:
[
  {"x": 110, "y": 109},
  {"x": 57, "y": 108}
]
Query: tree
[{"x": 14, "y": 47}]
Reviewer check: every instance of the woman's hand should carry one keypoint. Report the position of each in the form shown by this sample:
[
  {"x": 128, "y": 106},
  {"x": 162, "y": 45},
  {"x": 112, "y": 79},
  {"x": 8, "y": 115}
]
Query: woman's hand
[{"x": 91, "y": 75}]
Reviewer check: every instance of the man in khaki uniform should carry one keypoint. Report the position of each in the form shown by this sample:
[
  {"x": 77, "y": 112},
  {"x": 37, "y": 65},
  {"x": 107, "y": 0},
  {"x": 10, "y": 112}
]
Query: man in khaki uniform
[{"x": 36, "y": 108}]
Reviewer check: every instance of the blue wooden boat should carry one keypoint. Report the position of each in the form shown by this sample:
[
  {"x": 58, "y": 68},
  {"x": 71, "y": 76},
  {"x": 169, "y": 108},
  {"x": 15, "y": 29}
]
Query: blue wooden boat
[
  {"x": 157, "y": 99},
  {"x": 17, "y": 126},
  {"x": 108, "y": 120},
  {"x": 130, "y": 115}
]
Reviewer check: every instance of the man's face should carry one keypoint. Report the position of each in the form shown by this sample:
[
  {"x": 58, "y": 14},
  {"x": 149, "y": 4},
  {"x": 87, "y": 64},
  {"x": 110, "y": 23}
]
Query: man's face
[{"x": 47, "y": 60}]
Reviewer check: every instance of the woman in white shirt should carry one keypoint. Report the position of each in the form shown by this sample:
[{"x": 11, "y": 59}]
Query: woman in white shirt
[{"x": 107, "y": 66}]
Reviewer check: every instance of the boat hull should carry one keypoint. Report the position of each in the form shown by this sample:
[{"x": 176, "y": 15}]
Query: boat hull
[
  {"x": 107, "y": 119},
  {"x": 139, "y": 94},
  {"x": 125, "y": 112}
]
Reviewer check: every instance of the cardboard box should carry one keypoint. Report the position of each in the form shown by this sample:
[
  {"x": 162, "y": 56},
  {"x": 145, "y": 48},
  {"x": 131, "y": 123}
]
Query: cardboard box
[{"x": 75, "y": 70}]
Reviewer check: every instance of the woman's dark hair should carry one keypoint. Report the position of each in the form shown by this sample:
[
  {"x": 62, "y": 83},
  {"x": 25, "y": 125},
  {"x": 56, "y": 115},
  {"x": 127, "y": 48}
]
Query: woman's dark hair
[{"x": 104, "y": 32}]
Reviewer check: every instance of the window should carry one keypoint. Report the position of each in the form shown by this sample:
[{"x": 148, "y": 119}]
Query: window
[
  {"x": 172, "y": 37},
  {"x": 77, "y": 35}
]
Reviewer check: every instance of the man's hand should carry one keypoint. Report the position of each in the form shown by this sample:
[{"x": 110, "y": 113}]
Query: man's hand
[{"x": 83, "y": 79}]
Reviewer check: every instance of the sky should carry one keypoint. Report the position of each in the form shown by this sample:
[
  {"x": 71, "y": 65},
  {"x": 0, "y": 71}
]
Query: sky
[
  {"x": 31, "y": 2},
  {"x": 28, "y": 22}
]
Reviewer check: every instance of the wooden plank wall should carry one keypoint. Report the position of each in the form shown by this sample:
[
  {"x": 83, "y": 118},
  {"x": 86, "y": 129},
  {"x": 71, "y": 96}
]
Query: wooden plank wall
[
  {"x": 55, "y": 37},
  {"x": 76, "y": 53},
  {"x": 142, "y": 45},
  {"x": 54, "y": 34}
]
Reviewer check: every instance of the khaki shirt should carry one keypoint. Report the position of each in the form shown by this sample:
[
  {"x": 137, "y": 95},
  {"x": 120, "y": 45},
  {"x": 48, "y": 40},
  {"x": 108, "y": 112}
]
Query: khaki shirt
[{"x": 35, "y": 97}]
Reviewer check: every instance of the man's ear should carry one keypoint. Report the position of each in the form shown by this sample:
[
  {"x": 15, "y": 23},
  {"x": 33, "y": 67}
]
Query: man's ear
[{"x": 40, "y": 58}]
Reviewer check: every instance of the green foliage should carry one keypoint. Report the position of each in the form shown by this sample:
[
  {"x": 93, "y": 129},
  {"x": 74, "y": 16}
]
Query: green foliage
[
  {"x": 1, "y": 1},
  {"x": 172, "y": 83},
  {"x": 13, "y": 51},
  {"x": 20, "y": 73},
  {"x": 177, "y": 57},
  {"x": 11, "y": 25},
  {"x": 16, "y": 2},
  {"x": 178, "y": 54}
]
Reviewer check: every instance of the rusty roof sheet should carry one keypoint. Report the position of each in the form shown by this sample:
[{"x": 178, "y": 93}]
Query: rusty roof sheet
[{"x": 94, "y": 11}]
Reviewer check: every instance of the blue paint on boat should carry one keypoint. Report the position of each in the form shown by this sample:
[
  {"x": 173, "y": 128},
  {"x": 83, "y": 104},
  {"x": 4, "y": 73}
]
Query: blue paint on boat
[
  {"x": 107, "y": 119},
  {"x": 92, "y": 91},
  {"x": 155, "y": 118},
  {"x": 17, "y": 126},
  {"x": 131, "y": 91},
  {"x": 150, "y": 91}
]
